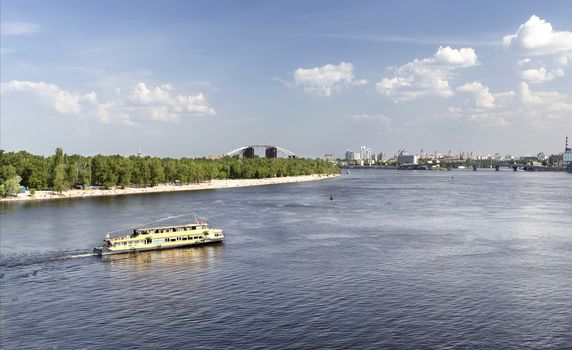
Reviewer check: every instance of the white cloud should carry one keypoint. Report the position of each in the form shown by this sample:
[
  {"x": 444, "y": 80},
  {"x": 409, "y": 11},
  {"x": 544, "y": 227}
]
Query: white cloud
[
  {"x": 485, "y": 107},
  {"x": 428, "y": 76},
  {"x": 155, "y": 103},
  {"x": 536, "y": 37},
  {"x": 63, "y": 101},
  {"x": 158, "y": 95},
  {"x": 541, "y": 108},
  {"x": 19, "y": 28},
  {"x": 540, "y": 75},
  {"x": 535, "y": 72},
  {"x": 503, "y": 98},
  {"x": 323, "y": 80},
  {"x": 70, "y": 103},
  {"x": 164, "y": 107},
  {"x": 552, "y": 103},
  {"x": 464, "y": 57},
  {"x": 377, "y": 119},
  {"x": 491, "y": 119},
  {"x": 482, "y": 95}
]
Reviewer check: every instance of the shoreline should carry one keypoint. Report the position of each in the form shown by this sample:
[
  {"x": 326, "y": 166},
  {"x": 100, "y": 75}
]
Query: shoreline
[{"x": 209, "y": 185}]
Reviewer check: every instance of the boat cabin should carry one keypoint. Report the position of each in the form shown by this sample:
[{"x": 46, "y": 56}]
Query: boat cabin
[{"x": 191, "y": 227}]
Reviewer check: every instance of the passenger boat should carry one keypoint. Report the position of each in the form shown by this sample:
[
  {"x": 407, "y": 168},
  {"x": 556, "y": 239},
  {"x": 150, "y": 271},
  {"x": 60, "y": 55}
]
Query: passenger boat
[{"x": 156, "y": 238}]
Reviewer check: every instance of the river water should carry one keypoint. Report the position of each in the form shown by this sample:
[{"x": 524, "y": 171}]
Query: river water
[{"x": 398, "y": 259}]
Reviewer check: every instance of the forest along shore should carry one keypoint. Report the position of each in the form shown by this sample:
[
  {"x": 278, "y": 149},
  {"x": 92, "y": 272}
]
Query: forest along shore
[{"x": 208, "y": 185}]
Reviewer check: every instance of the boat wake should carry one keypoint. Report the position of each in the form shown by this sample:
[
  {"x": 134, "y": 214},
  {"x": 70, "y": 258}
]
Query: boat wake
[
  {"x": 21, "y": 260},
  {"x": 78, "y": 256}
]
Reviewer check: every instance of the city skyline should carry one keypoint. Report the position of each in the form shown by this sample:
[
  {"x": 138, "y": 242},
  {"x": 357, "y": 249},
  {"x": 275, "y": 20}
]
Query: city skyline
[{"x": 197, "y": 78}]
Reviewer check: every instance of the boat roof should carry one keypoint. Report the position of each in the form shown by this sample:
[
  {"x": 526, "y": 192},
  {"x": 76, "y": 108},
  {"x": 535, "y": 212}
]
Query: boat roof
[{"x": 172, "y": 226}]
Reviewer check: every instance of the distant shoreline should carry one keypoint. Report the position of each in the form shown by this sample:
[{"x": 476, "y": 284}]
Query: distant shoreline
[{"x": 209, "y": 185}]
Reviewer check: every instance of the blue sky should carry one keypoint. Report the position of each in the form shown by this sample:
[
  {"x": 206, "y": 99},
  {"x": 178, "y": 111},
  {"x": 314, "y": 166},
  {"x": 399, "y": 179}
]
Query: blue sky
[{"x": 192, "y": 78}]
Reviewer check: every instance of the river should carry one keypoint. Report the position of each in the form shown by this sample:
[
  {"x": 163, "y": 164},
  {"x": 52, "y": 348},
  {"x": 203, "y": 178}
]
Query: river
[{"x": 398, "y": 259}]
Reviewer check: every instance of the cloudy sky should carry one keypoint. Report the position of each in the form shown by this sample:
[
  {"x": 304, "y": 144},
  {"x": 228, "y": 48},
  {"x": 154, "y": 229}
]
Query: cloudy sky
[{"x": 194, "y": 78}]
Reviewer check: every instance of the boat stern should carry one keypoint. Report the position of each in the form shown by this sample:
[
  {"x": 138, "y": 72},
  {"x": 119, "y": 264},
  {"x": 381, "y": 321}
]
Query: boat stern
[{"x": 101, "y": 251}]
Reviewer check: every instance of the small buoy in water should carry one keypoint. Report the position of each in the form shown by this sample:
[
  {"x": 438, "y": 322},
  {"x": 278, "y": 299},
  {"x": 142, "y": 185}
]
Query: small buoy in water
[
  {"x": 451, "y": 177},
  {"x": 331, "y": 197}
]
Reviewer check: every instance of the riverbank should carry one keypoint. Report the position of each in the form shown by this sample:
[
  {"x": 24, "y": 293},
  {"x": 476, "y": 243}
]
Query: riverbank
[{"x": 209, "y": 185}]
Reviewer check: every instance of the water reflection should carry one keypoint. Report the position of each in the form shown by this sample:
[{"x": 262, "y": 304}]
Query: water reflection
[{"x": 174, "y": 259}]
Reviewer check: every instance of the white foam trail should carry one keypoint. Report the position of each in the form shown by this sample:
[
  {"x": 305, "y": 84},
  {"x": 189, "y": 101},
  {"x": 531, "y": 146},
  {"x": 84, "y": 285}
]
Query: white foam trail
[{"x": 78, "y": 256}]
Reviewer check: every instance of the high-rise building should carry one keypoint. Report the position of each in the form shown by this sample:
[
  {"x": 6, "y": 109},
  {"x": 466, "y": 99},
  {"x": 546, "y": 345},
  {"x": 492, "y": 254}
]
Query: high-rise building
[{"x": 349, "y": 155}]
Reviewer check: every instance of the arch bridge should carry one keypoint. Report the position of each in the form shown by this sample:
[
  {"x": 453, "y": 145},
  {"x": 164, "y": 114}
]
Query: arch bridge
[{"x": 269, "y": 151}]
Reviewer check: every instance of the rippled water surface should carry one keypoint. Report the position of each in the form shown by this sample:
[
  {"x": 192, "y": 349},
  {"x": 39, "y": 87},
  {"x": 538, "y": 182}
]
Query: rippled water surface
[{"x": 399, "y": 259}]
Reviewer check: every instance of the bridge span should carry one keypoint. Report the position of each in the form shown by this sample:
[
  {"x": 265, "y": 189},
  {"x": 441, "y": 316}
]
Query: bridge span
[{"x": 269, "y": 151}]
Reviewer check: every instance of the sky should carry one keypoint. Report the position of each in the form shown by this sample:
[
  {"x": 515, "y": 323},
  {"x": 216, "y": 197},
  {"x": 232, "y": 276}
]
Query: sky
[{"x": 197, "y": 78}]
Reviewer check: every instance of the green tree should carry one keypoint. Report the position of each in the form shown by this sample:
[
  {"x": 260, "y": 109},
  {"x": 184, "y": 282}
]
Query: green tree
[
  {"x": 11, "y": 186},
  {"x": 157, "y": 172},
  {"x": 7, "y": 172},
  {"x": 60, "y": 183}
]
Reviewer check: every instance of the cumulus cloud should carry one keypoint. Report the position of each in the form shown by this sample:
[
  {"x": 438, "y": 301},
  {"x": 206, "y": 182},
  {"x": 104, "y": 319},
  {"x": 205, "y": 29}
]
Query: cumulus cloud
[
  {"x": 428, "y": 76},
  {"x": 323, "y": 80},
  {"x": 69, "y": 103},
  {"x": 540, "y": 75},
  {"x": 542, "y": 108},
  {"x": 484, "y": 107},
  {"x": 464, "y": 57},
  {"x": 491, "y": 119},
  {"x": 19, "y": 28},
  {"x": 553, "y": 103},
  {"x": 164, "y": 107},
  {"x": 377, "y": 119},
  {"x": 156, "y": 103},
  {"x": 536, "y": 37},
  {"x": 482, "y": 95},
  {"x": 485, "y": 117},
  {"x": 535, "y": 72}
]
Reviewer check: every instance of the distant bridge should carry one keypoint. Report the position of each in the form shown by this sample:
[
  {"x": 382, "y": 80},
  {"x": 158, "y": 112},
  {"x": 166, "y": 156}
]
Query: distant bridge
[{"x": 269, "y": 152}]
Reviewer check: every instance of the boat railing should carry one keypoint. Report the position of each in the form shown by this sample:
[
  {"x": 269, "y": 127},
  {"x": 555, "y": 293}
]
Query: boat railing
[{"x": 183, "y": 228}]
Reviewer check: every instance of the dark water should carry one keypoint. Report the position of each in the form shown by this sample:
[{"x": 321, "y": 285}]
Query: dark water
[{"x": 399, "y": 259}]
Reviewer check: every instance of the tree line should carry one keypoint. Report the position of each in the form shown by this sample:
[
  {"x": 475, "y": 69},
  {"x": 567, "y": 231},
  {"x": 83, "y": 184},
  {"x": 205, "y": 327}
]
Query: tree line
[{"x": 61, "y": 171}]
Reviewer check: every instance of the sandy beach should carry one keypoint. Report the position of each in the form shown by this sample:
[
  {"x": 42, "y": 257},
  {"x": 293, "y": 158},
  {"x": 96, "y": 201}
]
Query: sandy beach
[{"x": 209, "y": 185}]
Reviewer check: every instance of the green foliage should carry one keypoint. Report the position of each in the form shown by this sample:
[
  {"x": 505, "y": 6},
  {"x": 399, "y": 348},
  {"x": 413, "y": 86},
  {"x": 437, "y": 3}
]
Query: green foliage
[
  {"x": 7, "y": 172},
  {"x": 59, "y": 179},
  {"x": 61, "y": 171},
  {"x": 11, "y": 186}
]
